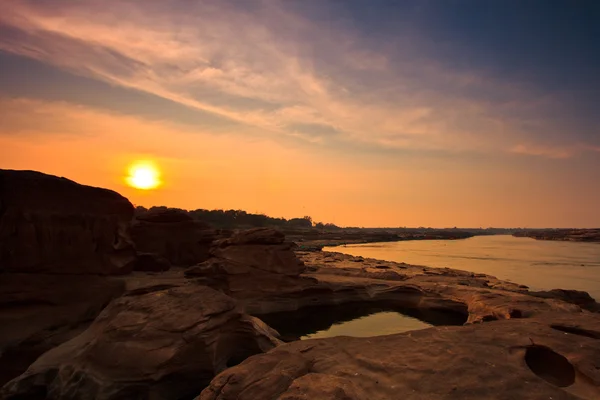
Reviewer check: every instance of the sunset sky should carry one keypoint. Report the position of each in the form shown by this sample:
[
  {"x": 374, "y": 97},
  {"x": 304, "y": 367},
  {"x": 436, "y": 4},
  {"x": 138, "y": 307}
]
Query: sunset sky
[{"x": 361, "y": 113}]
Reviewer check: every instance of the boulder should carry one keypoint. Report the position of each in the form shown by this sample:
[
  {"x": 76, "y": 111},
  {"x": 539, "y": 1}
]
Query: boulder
[
  {"x": 256, "y": 236},
  {"x": 165, "y": 344},
  {"x": 549, "y": 357},
  {"x": 260, "y": 249},
  {"x": 53, "y": 225},
  {"x": 39, "y": 312},
  {"x": 174, "y": 235},
  {"x": 150, "y": 262},
  {"x": 578, "y": 297}
]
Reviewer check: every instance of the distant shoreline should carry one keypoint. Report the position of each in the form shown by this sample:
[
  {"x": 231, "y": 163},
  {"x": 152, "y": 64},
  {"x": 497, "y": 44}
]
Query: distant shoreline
[
  {"x": 563, "y": 235},
  {"x": 319, "y": 244}
]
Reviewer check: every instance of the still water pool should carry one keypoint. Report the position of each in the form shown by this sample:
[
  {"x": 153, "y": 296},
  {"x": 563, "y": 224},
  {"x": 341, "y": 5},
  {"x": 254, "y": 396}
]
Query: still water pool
[{"x": 355, "y": 319}]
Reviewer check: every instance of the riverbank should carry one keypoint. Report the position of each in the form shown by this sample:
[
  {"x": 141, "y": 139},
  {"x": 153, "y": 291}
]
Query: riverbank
[
  {"x": 571, "y": 235},
  {"x": 515, "y": 343},
  {"x": 539, "y": 264},
  {"x": 316, "y": 242}
]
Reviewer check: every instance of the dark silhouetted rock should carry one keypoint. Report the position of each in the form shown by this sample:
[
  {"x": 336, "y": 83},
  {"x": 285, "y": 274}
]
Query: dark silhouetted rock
[
  {"x": 260, "y": 249},
  {"x": 39, "y": 312},
  {"x": 256, "y": 236},
  {"x": 174, "y": 235},
  {"x": 150, "y": 262},
  {"x": 160, "y": 345},
  {"x": 51, "y": 224}
]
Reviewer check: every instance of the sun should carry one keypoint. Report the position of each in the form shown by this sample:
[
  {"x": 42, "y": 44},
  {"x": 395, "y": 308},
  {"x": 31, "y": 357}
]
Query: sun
[{"x": 143, "y": 175}]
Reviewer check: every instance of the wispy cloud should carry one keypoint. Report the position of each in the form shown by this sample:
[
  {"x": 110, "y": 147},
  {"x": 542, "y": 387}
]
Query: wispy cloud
[
  {"x": 263, "y": 66},
  {"x": 549, "y": 151},
  {"x": 544, "y": 151}
]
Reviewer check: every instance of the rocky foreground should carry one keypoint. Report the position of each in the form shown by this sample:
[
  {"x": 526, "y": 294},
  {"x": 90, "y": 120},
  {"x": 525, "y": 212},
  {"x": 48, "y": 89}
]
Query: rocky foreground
[{"x": 95, "y": 304}]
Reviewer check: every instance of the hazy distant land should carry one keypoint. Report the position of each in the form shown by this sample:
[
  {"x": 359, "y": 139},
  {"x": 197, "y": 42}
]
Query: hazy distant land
[{"x": 568, "y": 235}]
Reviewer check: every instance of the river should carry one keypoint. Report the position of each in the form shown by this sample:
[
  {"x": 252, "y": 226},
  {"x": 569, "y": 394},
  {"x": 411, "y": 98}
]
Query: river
[{"x": 541, "y": 265}]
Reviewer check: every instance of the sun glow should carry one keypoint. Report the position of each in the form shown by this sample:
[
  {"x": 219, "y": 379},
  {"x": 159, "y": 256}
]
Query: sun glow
[{"x": 143, "y": 175}]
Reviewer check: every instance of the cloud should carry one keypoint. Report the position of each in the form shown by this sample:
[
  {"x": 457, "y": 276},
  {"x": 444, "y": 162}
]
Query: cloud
[
  {"x": 277, "y": 71},
  {"x": 549, "y": 151},
  {"x": 543, "y": 151}
]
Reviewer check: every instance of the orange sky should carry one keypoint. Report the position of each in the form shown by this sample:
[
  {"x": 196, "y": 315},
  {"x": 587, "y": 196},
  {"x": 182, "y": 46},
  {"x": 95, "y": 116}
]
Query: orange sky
[
  {"x": 259, "y": 175},
  {"x": 267, "y": 109}
]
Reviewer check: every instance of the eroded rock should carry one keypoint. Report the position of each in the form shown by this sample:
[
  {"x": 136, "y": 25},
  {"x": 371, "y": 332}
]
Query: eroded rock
[
  {"x": 261, "y": 249},
  {"x": 151, "y": 262},
  {"x": 173, "y": 235},
  {"x": 53, "y": 225},
  {"x": 159, "y": 345},
  {"x": 39, "y": 312},
  {"x": 490, "y": 361}
]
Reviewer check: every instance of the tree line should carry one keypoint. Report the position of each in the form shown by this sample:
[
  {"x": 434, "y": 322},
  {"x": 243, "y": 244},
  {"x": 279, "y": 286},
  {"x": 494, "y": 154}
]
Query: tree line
[{"x": 229, "y": 219}]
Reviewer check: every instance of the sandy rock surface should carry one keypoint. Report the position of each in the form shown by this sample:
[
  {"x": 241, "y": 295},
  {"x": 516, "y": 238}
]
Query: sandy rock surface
[{"x": 164, "y": 344}]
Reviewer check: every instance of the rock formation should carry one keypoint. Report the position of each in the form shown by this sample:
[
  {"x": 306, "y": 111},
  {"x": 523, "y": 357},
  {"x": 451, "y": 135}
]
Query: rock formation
[
  {"x": 173, "y": 235},
  {"x": 162, "y": 333},
  {"x": 151, "y": 262},
  {"x": 39, "y": 312},
  {"x": 165, "y": 344},
  {"x": 554, "y": 356},
  {"x": 54, "y": 225},
  {"x": 57, "y": 239},
  {"x": 261, "y": 249}
]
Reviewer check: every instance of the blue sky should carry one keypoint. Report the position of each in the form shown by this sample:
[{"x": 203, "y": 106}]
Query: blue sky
[{"x": 427, "y": 91}]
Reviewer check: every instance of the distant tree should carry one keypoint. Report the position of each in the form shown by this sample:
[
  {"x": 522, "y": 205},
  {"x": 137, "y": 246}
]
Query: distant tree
[
  {"x": 140, "y": 210},
  {"x": 300, "y": 223}
]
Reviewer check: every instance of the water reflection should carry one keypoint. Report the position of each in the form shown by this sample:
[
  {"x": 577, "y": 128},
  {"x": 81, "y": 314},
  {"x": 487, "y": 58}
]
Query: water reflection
[
  {"x": 355, "y": 319},
  {"x": 541, "y": 265}
]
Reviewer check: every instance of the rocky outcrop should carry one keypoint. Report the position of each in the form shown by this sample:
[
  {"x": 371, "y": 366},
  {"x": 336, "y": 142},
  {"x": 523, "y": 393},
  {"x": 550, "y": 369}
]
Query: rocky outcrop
[
  {"x": 165, "y": 334},
  {"x": 513, "y": 345},
  {"x": 261, "y": 250},
  {"x": 554, "y": 356},
  {"x": 164, "y": 344},
  {"x": 54, "y": 225},
  {"x": 151, "y": 262},
  {"x": 39, "y": 312},
  {"x": 173, "y": 235},
  {"x": 582, "y": 299},
  {"x": 335, "y": 278}
]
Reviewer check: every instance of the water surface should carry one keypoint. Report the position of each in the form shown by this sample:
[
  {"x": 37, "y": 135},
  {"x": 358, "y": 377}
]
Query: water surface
[
  {"x": 541, "y": 265},
  {"x": 381, "y": 323},
  {"x": 361, "y": 319}
]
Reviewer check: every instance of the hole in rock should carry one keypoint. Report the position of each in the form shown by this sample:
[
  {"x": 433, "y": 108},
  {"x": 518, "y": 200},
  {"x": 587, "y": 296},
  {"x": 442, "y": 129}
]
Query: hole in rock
[
  {"x": 577, "y": 331},
  {"x": 550, "y": 366},
  {"x": 356, "y": 319}
]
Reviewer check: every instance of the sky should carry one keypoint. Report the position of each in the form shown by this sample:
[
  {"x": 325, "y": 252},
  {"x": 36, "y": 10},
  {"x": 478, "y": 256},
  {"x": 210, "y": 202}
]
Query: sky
[{"x": 361, "y": 113}]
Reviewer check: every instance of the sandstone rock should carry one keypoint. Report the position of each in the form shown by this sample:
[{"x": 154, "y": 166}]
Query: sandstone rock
[
  {"x": 554, "y": 356},
  {"x": 151, "y": 263},
  {"x": 54, "y": 225},
  {"x": 262, "y": 249},
  {"x": 165, "y": 344},
  {"x": 256, "y": 236},
  {"x": 276, "y": 259},
  {"x": 582, "y": 299},
  {"x": 39, "y": 312},
  {"x": 173, "y": 235}
]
